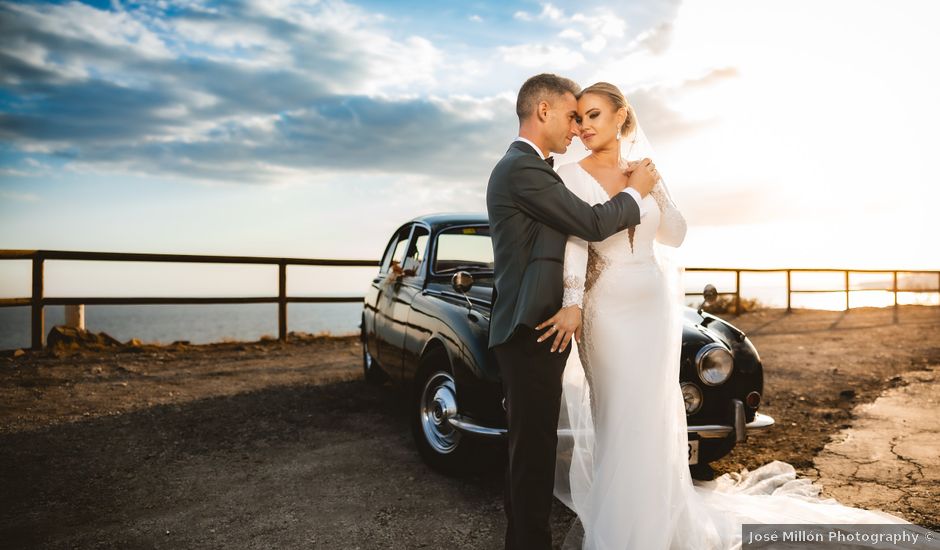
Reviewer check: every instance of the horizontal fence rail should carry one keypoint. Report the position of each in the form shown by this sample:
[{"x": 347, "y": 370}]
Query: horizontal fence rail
[
  {"x": 38, "y": 301},
  {"x": 845, "y": 289}
]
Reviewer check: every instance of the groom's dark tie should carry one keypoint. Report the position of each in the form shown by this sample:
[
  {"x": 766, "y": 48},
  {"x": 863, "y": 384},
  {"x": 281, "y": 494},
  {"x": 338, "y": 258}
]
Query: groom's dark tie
[{"x": 550, "y": 161}]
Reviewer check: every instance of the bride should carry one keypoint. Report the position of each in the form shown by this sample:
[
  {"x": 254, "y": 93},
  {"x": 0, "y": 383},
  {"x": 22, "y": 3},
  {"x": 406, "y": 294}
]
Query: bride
[{"x": 624, "y": 471}]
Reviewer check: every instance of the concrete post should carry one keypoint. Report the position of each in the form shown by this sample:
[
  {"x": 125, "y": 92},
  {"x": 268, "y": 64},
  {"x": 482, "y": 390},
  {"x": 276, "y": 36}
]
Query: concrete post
[{"x": 75, "y": 316}]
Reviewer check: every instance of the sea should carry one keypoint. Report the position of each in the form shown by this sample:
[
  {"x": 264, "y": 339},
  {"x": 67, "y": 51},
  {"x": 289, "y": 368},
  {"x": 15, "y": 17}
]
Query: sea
[
  {"x": 197, "y": 323},
  {"x": 206, "y": 323}
]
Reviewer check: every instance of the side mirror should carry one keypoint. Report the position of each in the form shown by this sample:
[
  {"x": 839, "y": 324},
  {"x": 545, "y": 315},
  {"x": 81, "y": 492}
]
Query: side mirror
[
  {"x": 710, "y": 294},
  {"x": 462, "y": 282}
]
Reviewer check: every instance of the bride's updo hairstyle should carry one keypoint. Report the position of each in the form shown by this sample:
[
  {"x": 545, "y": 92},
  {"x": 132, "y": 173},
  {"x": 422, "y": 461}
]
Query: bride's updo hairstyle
[{"x": 616, "y": 98}]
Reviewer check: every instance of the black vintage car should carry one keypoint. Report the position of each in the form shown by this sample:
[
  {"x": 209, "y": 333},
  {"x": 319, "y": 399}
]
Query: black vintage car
[{"x": 424, "y": 327}]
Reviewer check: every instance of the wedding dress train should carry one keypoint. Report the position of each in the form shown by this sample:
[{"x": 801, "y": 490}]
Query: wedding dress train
[{"x": 622, "y": 455}]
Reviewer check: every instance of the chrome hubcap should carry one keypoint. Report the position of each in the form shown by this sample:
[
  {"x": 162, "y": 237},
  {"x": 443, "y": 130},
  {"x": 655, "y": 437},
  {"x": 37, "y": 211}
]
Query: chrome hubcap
[
  {"x": 366, "y": 357},
  {"x": 438, "y": 405}
]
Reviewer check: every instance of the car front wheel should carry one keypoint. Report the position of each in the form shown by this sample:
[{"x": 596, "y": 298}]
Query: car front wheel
[{"x": 442, "y": 446}]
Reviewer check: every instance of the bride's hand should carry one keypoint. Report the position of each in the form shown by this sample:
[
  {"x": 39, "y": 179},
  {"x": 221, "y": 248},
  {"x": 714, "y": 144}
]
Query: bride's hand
[
  {"x": 564, "y": 324},
  {"x": 641, "y": 175},
  {"x": 631, "y": 166}
]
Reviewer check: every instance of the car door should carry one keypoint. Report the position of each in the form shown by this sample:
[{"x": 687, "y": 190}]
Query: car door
[
  {"x": 420, "y": 315},
  {"x": 388, "y": 346},
  {"x": 372, "y": 312},
  {"x": 401, "y": 295}
]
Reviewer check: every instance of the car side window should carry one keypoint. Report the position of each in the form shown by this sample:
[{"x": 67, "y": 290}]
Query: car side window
[
  {"x": 416, "y": 251},
  {"x": 396, "y": 249},
  {"x": 387, "y": 257}
]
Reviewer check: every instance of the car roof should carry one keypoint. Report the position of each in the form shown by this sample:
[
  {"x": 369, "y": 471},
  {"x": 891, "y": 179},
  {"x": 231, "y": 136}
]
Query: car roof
[{"x": 445, "y": 219}]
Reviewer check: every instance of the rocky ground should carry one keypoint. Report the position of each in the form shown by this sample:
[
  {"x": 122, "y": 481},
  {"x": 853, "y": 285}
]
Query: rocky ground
[
  {"x": 823, "y": 373},
  {"x": 262, "y": 444}
]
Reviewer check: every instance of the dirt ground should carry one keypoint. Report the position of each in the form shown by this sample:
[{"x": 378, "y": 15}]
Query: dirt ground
[{"x": 269, "y": 445}]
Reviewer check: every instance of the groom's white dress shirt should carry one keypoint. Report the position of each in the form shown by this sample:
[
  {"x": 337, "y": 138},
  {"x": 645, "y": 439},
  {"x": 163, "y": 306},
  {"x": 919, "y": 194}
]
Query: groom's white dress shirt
[{"x": 628, "y": 190}]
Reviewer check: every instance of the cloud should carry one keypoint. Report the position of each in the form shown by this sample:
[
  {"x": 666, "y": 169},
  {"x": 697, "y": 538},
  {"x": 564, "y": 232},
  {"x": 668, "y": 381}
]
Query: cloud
[
  {"x": 17, "y": 196},
  {"x": 551, "y": 13},
  {"x": 449, "y": 138},
  {"x": 713, "y": 77},
  {"x": 591, "y": 31},
  {"x": 28, "y": 168},
  {"x": 656, "y": 40},
  {"x": 266, "y": 92},
  {"x": 70, "y": 42},
  {"x": 238, "y": 92},
  {"x": 660, "y": 121},
  {"x": 541, "y": 55}
]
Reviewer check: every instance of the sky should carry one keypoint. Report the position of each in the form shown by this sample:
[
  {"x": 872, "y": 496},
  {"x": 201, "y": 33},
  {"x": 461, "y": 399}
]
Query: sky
[{"x": 790, "y": 133}]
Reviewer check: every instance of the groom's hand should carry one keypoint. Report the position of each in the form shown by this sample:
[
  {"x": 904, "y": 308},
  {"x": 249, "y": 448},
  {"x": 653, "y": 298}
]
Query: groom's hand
[{"x": 563, "y": 325}]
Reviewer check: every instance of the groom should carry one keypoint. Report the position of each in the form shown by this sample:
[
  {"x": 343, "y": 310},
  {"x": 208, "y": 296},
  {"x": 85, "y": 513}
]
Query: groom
[{"x": 531, "y": 214}]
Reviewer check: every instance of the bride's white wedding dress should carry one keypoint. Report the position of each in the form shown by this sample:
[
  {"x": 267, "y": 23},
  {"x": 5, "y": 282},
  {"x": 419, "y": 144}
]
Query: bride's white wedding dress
[{"x": 624, "y": 468}]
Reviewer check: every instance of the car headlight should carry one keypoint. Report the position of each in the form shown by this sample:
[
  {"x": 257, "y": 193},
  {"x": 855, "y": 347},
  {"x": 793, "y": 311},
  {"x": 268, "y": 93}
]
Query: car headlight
[
  {"x": 714, "y": 363},
  {"x": 692, "y": 395}
]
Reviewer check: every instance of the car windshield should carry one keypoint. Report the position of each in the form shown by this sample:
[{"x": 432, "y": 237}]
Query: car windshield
[{"x": 464, "y": 248}]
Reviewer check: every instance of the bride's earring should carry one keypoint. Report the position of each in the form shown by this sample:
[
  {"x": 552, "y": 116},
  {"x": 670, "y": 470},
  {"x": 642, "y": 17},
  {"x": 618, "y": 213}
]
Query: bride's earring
[{"x": 619, "y": 134}]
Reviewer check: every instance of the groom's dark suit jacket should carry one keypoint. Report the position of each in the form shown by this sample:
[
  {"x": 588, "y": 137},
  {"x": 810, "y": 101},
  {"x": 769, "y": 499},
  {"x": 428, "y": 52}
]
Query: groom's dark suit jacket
[{"x": 531, "y": 214}]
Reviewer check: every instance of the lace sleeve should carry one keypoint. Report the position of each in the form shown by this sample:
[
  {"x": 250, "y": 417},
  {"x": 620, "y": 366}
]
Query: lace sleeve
[
  {"x": 672, "y": 226},
  {"x": 576, "y": 256},
  {"x": 576, "y": 248}
]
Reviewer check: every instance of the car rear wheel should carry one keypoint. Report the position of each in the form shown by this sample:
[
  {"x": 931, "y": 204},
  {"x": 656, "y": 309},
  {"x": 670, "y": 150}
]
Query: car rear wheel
[{"x": 370, "y": 369}]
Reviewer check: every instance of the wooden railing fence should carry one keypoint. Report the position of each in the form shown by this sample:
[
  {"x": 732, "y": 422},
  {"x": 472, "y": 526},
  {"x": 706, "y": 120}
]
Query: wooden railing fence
[
  {"x": 38, "y": 301},
  {"x": 846, "y": 289}
]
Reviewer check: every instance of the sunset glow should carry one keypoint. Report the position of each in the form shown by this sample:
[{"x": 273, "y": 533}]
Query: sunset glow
[{"x": 791, "y": 134}]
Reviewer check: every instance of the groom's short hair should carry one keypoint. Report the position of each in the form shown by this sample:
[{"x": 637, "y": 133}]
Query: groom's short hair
[{"x": 542, "y": 86}]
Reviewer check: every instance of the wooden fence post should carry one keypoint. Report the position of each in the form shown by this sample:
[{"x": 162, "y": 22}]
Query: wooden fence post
[
  {"x": 37, "y": 328},
  {"x": 789, "y": 293},
  {"x": 282, "y": 301},
  {"x": 895, "y": 291},
  {"x": 846, "y": 289},
  {"x": 737, "y": 292}
]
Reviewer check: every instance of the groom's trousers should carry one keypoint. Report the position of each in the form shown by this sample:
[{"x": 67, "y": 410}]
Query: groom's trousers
[{"x": 531, "y": 376}]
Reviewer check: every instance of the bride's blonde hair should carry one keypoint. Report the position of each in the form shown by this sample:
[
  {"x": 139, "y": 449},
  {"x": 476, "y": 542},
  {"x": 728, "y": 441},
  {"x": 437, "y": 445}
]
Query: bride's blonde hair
[{"x": 617, "y": 99}]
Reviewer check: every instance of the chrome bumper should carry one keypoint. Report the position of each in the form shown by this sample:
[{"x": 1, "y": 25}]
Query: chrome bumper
[
  {"x": 707, "y": 431},
  {"x": 740, "y": 428},
  {"x": 466, "y": 425}
]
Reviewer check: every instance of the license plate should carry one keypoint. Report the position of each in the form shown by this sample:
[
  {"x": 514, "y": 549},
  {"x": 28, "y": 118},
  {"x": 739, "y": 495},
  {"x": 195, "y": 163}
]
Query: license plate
[{"x": 693, "y": 451}]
